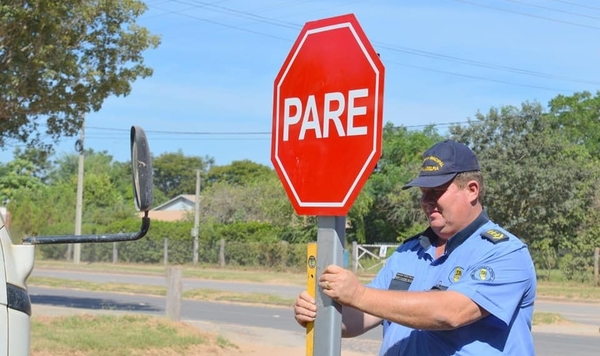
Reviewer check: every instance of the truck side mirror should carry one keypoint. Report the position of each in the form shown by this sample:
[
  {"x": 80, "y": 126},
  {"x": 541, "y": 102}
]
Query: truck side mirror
[{"x": 141, "y": 171}]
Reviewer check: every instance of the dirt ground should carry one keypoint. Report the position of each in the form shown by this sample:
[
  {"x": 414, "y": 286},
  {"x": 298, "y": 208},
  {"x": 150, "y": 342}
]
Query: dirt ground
[
  {"x": 267, "y": 342},
  {"x": 252, "y": 341},
  {"x": 248, "y": 341}
]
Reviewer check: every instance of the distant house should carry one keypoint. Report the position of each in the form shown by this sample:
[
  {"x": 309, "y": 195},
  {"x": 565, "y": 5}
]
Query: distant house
[{"x": 178, "y": 208}]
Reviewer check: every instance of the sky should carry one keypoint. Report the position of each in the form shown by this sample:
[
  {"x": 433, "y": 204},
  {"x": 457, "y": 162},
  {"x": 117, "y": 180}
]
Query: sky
[{"x": 211, "y": 94}]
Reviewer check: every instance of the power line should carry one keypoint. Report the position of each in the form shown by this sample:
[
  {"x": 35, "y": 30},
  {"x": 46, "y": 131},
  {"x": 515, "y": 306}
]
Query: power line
[
  {"x": 476, "y": 77},
  {"x": 553, "y": 9},
  {"x": 471, "y": 62},
  {"x": 408, "y": 50},
  {"x": 225, "y": 25},
  {"x": 577, "y": 4},
  {"x": 189, "y": 132},
  {"x": 528, "y": 15}
]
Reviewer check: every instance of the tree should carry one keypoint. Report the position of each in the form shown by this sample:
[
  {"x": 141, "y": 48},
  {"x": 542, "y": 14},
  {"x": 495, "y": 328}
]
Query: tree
[
  {"x": 238, "y": 173},
  {"x": 579, "y": 116},
  {"x": 19, "y": 175},
  {"x": 175, "y": 173},
  {"x": 60, "y": 59},
  {"x": 540, "y": 185}
]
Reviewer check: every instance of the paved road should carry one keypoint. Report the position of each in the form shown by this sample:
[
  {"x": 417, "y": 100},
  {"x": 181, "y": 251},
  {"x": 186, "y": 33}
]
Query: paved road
[
  {"x": 267, "y": 318},
  {"x": 584, "y": 313}
]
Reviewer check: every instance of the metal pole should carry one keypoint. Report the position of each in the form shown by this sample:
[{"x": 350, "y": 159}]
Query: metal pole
[
  {"x": 79, "y": 206},
  {"x": 328, "y": 324},
  {"x": 196, "y": 218}
]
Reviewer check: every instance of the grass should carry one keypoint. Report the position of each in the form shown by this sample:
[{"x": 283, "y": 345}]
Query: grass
[
  {"x": 202, "y": 272},
  {"x": 250, "y": 298},
  {"x": 87, "y": 335},
  {"x": 195, "y": 294},
  {"x": 555, "y": 288},
  {"x": 548, "y": 318}
]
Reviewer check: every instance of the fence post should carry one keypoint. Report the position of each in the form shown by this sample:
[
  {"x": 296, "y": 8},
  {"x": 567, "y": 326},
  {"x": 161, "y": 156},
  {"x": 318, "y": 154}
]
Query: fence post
[
  {"x": 174, "y": 293},
  {"x": 354, "y": 256},
  {"x": 596, "y": 263},
  {"x": 115, "y": 253},
  {"x": 222, "y": 253},
  {"x": 166, "y": 251}
]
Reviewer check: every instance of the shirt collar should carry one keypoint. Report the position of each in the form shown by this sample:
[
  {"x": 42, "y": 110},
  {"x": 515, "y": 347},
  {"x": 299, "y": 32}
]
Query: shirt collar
[
  {"x": 428, "y": 237},
  {"x": 463, "y": 234}
]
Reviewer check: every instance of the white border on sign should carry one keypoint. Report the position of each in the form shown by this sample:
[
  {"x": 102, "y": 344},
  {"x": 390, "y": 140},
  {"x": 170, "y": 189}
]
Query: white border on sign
[{"x": 375, "y": 138}]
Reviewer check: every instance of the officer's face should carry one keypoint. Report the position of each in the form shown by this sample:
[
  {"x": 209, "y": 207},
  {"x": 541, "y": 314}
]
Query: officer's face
[{"x": 447, "y": 208}]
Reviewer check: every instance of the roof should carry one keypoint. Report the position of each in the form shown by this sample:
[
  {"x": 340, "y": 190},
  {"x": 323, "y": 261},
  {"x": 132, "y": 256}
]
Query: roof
[
  {"x": 178, "y": 208},
  {"x": 180, "y": 202}
]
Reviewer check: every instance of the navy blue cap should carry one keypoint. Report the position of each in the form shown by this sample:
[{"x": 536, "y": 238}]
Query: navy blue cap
[{"x": 442, "y": 162}]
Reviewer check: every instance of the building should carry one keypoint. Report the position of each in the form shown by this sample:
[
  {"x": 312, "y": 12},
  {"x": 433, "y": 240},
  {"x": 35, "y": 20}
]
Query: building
[{"x": 179, "y": 208}]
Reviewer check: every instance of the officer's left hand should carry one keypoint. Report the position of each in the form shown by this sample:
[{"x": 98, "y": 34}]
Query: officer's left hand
[{"x": 341, "y": 285}]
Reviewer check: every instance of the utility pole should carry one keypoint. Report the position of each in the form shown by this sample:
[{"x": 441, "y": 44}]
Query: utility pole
[
  {"x": 78, "y": 211},
  {"x": 196, "y": 218}
]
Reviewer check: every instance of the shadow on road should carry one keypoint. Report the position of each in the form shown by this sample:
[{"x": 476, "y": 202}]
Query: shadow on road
[{"x": 90, "y": 303}]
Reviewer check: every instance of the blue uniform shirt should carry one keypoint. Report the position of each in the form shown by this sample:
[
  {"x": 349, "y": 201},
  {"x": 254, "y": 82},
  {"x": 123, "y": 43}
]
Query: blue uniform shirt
[{"x": 485, "y": 263}]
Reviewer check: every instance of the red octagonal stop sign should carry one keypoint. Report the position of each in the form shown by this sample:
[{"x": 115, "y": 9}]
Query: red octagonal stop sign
[{"x": 327, "y": 116}]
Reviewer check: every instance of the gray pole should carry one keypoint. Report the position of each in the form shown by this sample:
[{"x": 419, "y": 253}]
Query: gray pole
[
  {"x": 196, "y": 218},
  {"x": 331, "y": 237},
  {"x": 78, "y": 212}
]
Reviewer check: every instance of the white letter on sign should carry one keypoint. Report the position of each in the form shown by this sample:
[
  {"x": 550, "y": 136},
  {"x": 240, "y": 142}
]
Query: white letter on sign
[
  {"x": 333, "y": 115},
  {"x": 307, "y": 124},
  {"x": 290, "y": 120},
  {"x": 355, "y": 111}
]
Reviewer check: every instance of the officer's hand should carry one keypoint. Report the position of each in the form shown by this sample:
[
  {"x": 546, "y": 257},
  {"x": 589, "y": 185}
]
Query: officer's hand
[
  {"x": 341, "y": 285},
  {"x": 305, "y": 309}
]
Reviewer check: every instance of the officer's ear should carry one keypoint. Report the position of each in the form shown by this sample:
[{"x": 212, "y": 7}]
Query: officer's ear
[{"x": 473, "y": 189}]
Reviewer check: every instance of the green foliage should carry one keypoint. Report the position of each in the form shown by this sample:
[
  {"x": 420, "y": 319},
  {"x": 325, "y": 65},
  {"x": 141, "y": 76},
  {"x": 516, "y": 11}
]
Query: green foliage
[
  {"x": 175, "y": 173},
  {"x": 238, "y": 173},
  {"x": 60, "y": 59},
  {"x": 19, "y": 175},
  {"x": 575, "y": 268},
  {"x": 579, "y": 116},
  {"x": 539, "y": 184}
]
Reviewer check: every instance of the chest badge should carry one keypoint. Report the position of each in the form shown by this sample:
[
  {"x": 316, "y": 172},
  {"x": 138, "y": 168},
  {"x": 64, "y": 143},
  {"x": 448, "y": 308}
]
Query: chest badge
[{"x": 455, "y": 275}]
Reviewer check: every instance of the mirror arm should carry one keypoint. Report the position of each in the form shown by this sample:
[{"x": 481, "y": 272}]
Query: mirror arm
[{"x": 68, "y": 239}]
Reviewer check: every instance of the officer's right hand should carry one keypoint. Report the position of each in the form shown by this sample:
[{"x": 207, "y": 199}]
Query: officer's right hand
[{"x": 305, "y": 309}]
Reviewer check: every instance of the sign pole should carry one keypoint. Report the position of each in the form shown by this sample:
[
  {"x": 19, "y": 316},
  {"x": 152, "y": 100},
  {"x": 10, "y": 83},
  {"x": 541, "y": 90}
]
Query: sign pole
[
  {"x": 328, "y": 324},
  {"x": 311, "y": 288}
]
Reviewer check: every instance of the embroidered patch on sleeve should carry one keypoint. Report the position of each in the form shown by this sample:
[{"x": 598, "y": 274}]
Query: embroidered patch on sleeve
[{"x": 484, "y": 273}]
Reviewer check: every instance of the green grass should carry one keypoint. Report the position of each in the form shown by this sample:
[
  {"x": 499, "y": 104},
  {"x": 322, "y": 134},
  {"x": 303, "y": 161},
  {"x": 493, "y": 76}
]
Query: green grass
[
  {"x": 555, "y": 288},
  {"x": 548, "y": 318},
  {"x": 249, "y": 298},
  {"x": 125, "y": 335},
  {"x": 196, "y": 294}
]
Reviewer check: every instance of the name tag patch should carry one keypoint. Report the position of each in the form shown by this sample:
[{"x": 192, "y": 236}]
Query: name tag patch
[{"x": 401, "y": 281}]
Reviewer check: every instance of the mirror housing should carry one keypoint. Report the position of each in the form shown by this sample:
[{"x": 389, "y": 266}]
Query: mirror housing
[
  {"x": 141, "y": 173},
  {"x": 141, "y": 169}
]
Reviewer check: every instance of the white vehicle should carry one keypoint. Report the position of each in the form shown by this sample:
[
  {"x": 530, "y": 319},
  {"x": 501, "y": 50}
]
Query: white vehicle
[{"x": 16, "y": 261}]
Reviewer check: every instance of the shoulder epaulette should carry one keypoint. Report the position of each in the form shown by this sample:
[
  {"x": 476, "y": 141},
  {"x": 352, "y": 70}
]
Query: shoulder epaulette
[{"x": 494, "y": 236}]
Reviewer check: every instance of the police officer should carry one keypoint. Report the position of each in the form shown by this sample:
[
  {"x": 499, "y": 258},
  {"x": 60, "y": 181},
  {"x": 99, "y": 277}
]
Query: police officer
[{"x": 464, "y": 286}]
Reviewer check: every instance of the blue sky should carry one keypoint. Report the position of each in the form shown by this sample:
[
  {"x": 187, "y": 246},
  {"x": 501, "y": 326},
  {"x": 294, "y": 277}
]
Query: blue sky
[{"x": 212, "y": 89}]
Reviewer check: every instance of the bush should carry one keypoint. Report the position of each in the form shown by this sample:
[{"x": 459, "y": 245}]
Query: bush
[{"x": 574, "y": 268}]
